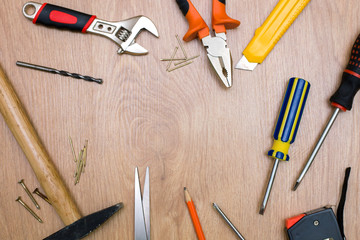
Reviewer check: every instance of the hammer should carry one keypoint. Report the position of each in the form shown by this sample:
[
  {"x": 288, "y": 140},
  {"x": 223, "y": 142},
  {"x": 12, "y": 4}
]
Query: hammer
[{"x": 45, "y": 171}]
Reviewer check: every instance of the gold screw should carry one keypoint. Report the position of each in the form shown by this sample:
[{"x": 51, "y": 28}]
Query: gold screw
[
  {"x": 21, "y": 182},
  {"x": 37, "y": 192},
  {"x": 29, "y": 209}
]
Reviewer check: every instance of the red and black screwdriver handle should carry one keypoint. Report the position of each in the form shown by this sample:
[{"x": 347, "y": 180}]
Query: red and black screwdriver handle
[
  {"x": 60, "y": 17},
  {"x": 197, "y": 26},
  {"x": 350, "y": 83}
]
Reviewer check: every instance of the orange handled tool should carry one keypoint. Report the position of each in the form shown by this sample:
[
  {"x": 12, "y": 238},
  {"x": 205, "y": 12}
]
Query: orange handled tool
[{"x": 218, "y": 52}]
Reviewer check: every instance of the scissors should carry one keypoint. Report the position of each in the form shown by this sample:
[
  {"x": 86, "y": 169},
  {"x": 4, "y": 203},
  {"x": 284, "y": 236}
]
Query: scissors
[{"x": 142, "y": 207}]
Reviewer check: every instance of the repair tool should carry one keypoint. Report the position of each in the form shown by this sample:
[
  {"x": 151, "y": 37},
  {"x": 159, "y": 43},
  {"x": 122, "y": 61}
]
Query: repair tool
[
  {"x": 19, "y": 123},
  {"x": 227, "y": 220},
  {"x": 123, "y": 33},
  {"x": 193, "y": 214},
  {"x": 341, "y": 100},
  {"x": 286, "y": 127},
  {"x": 142, "y": 207},
  {"x": 320, "y": 223},
  {"x": 41, "y": 195},
  {"x": 21, "y": 182},
  {"x": 61, "y": 72},
  {"x": 270, "y": 32},
  {"x": 216, "y": 47},
  {"x": 29, "y": 209}
]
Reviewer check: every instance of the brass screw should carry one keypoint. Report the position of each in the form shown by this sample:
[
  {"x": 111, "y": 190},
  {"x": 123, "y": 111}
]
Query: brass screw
[
  {"x": 37, "y": 192},
  {"x": 29, "y": 209},
  {"x": 21, "y": 182}
]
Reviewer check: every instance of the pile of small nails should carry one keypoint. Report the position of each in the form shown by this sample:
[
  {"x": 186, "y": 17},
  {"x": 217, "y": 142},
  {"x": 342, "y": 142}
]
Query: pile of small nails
[
  {"x": 80, "y": 162},
  {"x": 37, "y": 192},
  {"x": 182, "y": 62}
]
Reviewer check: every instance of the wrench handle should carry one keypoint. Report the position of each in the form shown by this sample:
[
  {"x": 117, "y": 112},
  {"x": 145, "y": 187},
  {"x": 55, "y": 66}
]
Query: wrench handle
[
  {"x": 29, "y": 141},
  {"x": 60, "y": 17}
]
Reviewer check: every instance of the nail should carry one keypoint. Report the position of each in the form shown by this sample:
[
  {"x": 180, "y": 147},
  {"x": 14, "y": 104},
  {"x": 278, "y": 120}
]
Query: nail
[
  {"x": 178, "y": 63},
  {"x": 72, "y": 149},
  {"x": 181, "y": 45},
  {"x": 170, "y": 70},
  {"x": 21, "y": 182},
  {"x": 37, "y": 192},
  {"x": 172, "y": 57},
  {"x": 29, "y": 209}
]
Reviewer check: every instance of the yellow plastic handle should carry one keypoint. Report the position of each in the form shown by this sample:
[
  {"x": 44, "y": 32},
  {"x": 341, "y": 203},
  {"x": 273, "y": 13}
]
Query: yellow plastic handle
[{"x": 274, "y": 27}]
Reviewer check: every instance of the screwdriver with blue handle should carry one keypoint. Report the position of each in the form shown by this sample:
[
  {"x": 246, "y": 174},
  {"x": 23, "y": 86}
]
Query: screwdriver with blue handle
[
  {"x": 287, "y": 126},
  {"x": 341, "y": 100}
]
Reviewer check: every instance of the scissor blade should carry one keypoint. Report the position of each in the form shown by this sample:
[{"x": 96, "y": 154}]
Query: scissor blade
[
  {"x": 140, "y": 228},
  {"x": 146, "y": 202},
  {"x": 85, "y": 225}
]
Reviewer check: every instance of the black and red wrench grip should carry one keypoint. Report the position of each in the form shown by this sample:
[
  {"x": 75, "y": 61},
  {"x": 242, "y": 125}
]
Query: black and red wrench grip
[{"x": 60, "y": 17}]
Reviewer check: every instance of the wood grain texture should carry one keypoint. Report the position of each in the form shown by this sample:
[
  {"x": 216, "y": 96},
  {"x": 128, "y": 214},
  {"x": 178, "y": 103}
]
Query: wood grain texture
[
  {"x": 19, "y": 123},
  {"x": 189, "y": 129}
]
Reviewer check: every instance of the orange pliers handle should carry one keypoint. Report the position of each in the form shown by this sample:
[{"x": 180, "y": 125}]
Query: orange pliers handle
[
  {"x": 220, "y": 20},
  {"x": 197, "y": 25}
]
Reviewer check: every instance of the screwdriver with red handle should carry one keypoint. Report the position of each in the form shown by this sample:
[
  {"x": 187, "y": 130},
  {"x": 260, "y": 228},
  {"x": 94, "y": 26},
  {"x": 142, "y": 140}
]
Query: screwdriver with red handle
[{"x": 341, "y": 100}]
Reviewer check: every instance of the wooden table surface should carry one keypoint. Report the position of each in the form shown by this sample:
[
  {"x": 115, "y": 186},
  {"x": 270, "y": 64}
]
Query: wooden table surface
[{"x": 184, "y": 125}]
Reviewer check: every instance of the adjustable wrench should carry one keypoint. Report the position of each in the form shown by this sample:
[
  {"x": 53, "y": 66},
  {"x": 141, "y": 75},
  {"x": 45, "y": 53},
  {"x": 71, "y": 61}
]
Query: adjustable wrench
[{"x": 123, "y": 33}]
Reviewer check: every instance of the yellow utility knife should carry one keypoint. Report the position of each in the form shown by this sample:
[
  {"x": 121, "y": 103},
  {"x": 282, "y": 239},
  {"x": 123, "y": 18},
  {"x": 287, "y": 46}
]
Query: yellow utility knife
[{"x": 266, "y": 36}]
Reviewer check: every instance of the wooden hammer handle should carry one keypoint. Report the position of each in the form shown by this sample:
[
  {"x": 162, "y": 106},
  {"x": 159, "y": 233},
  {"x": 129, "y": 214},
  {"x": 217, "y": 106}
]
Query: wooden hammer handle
[{"x": 25, "y": 134}]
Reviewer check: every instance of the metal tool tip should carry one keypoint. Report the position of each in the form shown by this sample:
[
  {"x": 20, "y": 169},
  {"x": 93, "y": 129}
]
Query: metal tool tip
[
  {"x": 262, "y": 210},
  {"x": 185, "y": 188},
  {"x": 244, "y": 64},
  {"x": 296, "y": 185}
]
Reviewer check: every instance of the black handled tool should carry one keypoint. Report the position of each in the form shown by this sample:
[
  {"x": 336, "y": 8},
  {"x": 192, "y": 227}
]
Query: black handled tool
[
  {"x": 320, "y": 224},
  {"x": 341, "y": 100}
]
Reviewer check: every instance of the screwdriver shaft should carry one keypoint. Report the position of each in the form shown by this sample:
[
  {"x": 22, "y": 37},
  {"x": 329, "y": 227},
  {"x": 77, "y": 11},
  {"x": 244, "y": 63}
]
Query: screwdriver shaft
[
  {"x": 269, "y": 186},
  {"x": 61, "y": 72},
  {"x": 227, "y": 220},
  {"x": 317, "y": 148}
]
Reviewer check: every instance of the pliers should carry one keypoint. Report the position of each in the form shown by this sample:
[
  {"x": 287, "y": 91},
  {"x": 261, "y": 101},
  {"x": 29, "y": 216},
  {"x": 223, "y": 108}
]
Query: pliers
[{"x": 217, "y": 50}]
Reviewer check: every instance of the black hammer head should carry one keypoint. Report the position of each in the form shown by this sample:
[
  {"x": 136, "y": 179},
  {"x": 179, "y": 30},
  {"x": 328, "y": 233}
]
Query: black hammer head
[{"x": 85, "y": 225}]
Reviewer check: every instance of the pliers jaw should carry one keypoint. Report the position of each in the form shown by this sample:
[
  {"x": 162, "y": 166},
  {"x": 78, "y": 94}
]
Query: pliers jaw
[{"x": 219, "y": 56}]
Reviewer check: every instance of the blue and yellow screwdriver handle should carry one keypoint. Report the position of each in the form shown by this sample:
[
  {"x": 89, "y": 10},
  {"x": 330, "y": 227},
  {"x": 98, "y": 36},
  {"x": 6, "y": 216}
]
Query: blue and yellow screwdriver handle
[{"x": 289, "y": 118}]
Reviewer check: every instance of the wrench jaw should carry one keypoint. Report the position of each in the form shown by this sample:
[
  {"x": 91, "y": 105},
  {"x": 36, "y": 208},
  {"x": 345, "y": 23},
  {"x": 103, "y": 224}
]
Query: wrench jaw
[
  {"x": 123, "y": 33},
  {"x": 131, "y": 28}
]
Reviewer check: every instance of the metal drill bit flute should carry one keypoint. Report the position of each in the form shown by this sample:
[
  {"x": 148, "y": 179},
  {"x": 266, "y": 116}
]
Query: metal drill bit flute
[
  {"x": 222, "y": 214},
  {"x": 61, "y": 72}
]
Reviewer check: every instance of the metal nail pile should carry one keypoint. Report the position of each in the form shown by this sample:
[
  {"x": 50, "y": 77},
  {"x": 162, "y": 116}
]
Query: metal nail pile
[
  {"x": 182, "y": 62},
  {"x": 37, "y": 192},
  {"x": 81, "y": 161}
]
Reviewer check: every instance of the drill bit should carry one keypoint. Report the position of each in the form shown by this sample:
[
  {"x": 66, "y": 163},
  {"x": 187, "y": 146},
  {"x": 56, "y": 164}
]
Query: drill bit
[{"x": 61, "y": 72}]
